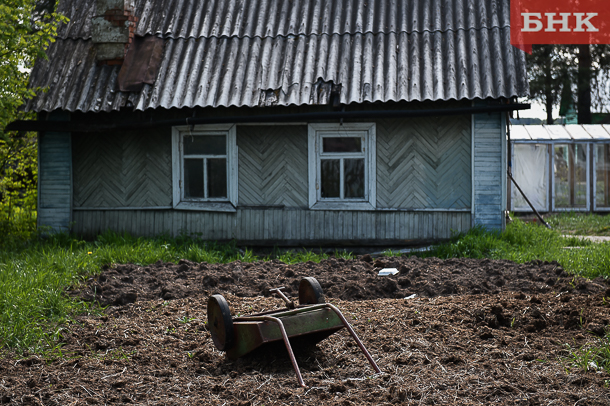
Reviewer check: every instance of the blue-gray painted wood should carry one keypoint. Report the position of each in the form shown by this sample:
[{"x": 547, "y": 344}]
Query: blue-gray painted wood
[
  {"x": 271, "y": 226},
  {"x": 54, "y": 181},
  {"x": 424, "y": 163},
  {"x": 489, "y": 176},
  {"x": 131, "y": 169}
]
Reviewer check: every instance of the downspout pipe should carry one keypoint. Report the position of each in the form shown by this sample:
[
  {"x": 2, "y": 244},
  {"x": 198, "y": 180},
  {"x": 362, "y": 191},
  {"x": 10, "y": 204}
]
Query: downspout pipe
[{"x": 69, "y": 126}]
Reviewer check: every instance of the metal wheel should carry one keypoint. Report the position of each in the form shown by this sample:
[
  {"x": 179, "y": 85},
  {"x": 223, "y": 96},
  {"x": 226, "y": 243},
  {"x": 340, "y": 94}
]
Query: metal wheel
[
  {"x": 220, "y": 322},
  {"x": 310, "y": 291}
]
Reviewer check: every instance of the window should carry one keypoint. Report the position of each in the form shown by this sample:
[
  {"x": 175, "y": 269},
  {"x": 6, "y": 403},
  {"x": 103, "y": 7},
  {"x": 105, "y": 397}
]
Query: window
[
  {"x": 342, "y": 166},
  {"x": 602, "y": 176},
  {"x": 571, "y": 177},
  {"x": 204, "y": 168}
]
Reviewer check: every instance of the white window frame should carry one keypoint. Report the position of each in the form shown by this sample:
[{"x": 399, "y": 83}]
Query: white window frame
[
  {"x": 588, "y": 177},
  {"x": 227, "y": 204},
  {"x": 316, "y": 132}
]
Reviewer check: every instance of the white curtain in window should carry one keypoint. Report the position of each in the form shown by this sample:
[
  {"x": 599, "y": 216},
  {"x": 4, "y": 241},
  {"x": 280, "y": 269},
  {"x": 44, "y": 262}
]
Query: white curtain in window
[{"x": 530, "y": 170}]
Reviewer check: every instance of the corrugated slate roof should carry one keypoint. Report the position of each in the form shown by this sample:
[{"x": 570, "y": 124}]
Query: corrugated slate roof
[{"x": 273, "y": 52}]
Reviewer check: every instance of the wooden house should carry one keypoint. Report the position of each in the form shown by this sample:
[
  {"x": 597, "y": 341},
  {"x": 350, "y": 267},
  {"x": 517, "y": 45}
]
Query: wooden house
[{"x": 299, "y": 122}]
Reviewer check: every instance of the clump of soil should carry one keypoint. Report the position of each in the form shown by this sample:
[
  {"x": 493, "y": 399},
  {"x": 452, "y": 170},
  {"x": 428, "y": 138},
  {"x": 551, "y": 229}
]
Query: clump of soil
[
  {"x": 354, "y": 279},
  {"x": 477, "y": 332}
]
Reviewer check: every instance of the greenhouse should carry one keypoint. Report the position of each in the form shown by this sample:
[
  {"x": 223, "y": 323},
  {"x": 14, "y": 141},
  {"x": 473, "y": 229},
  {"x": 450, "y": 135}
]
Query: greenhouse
[{"x": 560, "y": 167}]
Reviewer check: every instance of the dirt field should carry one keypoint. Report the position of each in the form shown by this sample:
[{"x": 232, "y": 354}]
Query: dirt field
[{"x": 477, "y": 332}]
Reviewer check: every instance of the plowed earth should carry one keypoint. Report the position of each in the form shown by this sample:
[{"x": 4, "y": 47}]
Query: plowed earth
[{"x": 477, "y": 332}]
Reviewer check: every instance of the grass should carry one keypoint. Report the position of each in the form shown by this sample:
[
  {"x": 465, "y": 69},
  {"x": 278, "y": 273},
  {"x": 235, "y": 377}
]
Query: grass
[
  {"x": 590, "y": 357},
  {"x": 580, "y": 223},
  {"x": 35, "y": 273},
  {"x": 522, "y": 242}
]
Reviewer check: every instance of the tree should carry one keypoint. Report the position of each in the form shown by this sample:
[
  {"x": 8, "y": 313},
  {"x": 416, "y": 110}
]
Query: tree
[
  {"x": 27, "y": 28},
  {"x": 544, "y": 79},
  {"x": 584, "y": 68}
]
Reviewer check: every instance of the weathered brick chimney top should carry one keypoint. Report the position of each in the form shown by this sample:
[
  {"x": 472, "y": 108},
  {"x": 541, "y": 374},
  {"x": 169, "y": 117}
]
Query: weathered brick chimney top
[{"x": 113, "y": 29}]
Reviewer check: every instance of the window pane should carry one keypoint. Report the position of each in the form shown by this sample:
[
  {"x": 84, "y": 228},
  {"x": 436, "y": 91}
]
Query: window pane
[
  {"x": 560, "y": 172},
  {"x": 354, "y": 178},
  {"x": 193, "y": 178},
  {"x": 580, "y": 176},
  {"x": 602, "y": 175},
  {"x": 341, "y": 144},
  {"x": 330, "y": 177},
  {"x": 205, "y": 145},
  {"x": 217, "y": 177}
]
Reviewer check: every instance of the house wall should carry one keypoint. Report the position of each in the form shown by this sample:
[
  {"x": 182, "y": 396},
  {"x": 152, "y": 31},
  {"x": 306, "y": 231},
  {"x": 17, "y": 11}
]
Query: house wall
[
  {"x": 424, "y": 186},
  {"x": 489, "y": 173},
  {"x": 55, "y": 178},
  {"x": 279, "y": 226},
  {"x": 114, "y": 170}
]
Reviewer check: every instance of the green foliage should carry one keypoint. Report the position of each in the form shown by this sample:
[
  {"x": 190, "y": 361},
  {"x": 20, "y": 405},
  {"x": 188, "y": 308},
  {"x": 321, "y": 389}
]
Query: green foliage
[
  {"x": 557, "y": 70},
  {"x": 580, "y": 223},
  {"x": 24, "y": 37},
  {"x": 523, "y": 242},
  {"x": 591, "y": 357},
  {"x": 27, "y": 27}
]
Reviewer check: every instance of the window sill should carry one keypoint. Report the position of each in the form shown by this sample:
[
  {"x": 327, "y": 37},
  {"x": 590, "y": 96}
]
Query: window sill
[
  {"x": 206, "y": 206},
  {"x": 359, "y": 206}
]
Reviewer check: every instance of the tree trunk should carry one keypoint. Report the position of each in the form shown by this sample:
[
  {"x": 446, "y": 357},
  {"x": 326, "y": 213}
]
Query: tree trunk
[
  {"x": 584, "y": 84},
  {"x": 549, "y": 97}
]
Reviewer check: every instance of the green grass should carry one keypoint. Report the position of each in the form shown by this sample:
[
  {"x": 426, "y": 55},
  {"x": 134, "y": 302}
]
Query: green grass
[
  {"x": 591, "y": 357},
  {"x": 522, "y": 242},
  {"x": 580, "y": 223}
]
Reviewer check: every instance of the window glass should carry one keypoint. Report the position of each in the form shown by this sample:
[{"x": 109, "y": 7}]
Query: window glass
[
  {"x": 353, "y": 170},
  {"x": 341, "y": 144},
  {"x": 602, "y": 175},
  {"x": 570, "y": 172},
  {"x": 217, "y": 177},
  {"x": 331, "y": 178},
  {"x": 580, "y": 176},
  {"x": 205, "y": 145},
  {"x": 193, "y": 178}
]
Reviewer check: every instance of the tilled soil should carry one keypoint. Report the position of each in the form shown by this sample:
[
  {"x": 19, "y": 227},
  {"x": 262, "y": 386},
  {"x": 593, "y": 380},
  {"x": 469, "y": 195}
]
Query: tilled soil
[{"x": 443, "y": 332}]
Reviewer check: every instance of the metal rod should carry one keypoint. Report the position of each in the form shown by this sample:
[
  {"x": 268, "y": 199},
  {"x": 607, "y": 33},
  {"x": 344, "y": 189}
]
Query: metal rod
[
  {"x": 289, "y": 303},
  {"x": 355, "y": 337},
  {"x": 279, "y": 313},
  {"x": 528, "y": 202},
  {"x": 286, "y": 341}
]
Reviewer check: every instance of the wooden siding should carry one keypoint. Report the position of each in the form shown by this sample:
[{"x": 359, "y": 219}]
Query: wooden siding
[
  {"x": 423, "y": 186},
  {"x": 54, "y": 181},
  {"x": 424, "y": 163},
  {"x": 272, "y": 165},
  {"x": 271, "y": 226},
  {"x": 122, "y": 169},
  {"x": 489, "y": 176}
]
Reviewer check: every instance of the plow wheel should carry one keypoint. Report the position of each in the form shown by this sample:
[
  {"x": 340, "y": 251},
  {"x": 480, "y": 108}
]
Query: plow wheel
[
  {"x": 310, "y": 292},
  {"x": 220, "y": 322}
]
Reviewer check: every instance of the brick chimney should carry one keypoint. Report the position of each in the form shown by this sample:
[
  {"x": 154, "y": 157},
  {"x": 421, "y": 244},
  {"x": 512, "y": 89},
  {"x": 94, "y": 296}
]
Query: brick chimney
[{"x": 113, "y": 29}]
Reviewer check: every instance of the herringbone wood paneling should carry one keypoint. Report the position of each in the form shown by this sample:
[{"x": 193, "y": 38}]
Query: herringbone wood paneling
[
  {"x": 272, "y": 165},
  {"x": 120, "y": 170},
  {"x": 424, "y": 163}
]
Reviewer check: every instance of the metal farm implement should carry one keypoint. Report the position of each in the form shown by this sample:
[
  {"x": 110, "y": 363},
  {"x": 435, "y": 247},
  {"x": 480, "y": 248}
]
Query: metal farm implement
[{"x": 312, "y": 320}]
